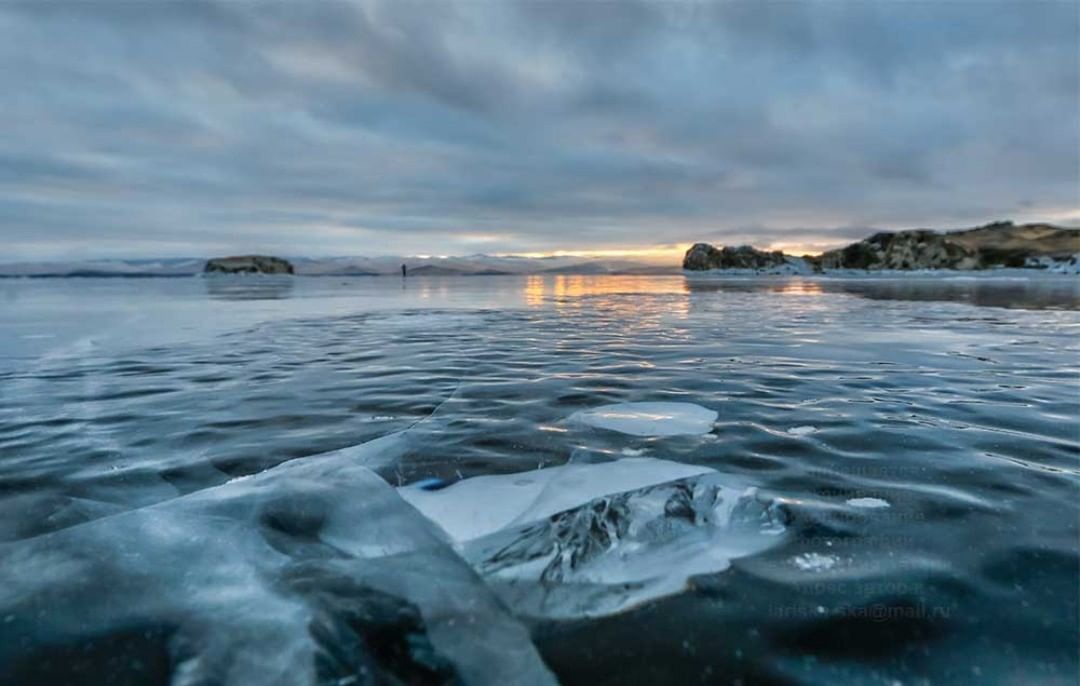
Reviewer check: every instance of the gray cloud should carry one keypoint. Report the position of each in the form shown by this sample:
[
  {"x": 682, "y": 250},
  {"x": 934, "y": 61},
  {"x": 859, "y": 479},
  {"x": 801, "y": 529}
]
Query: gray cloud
[{"x": 137, "y": 128}]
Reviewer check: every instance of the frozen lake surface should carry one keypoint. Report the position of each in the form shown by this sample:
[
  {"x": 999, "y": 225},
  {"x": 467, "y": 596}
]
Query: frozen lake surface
[{"x": 573, "y": 479}]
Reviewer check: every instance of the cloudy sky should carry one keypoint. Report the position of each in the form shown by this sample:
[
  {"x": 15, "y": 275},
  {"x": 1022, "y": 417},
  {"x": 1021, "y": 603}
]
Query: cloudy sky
[{"x": 141, "y": 128}]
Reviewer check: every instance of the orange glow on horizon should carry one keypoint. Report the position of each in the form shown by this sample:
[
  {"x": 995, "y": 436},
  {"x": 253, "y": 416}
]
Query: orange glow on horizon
[
  {"x": 660, "y": 254},
  {"x": 673, "y": 254},
  {"x": 801, "y": 249}
]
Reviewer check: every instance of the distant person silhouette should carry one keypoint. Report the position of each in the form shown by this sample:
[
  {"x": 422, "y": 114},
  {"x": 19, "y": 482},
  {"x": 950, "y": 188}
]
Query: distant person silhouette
[{"x": 403, "y": 272}]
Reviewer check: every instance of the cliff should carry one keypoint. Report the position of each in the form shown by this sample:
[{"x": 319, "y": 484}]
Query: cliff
[
  {"x": 1010, "y": 244},
  {"x": 918, "y": 249}
]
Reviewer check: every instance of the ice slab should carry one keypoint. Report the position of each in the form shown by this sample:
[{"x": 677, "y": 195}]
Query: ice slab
[
  {"x": 601, "y": 538},
  {"x": 802, "y": 430},
  {"x": 649, "y": 419},
  {"x": 315, "y": 571},
  {"x": 483, "y": 505}
]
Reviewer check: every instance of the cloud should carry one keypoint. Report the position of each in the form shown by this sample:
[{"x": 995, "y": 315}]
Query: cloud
[{"x": 382, "y": 127}]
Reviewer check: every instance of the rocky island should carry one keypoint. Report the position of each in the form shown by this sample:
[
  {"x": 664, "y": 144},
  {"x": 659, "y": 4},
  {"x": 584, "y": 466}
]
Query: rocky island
[
  {"x": 993, "y": 246},
  {"x": 248, "y": 264},
  {"x": 743, "y": 259}
]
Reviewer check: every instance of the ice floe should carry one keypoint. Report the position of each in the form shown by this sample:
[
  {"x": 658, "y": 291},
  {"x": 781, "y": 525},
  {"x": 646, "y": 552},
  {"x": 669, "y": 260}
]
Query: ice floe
[
  {"x": 868, "y": 503},
  {"x": 802, "y": 430},
  {"x": 311, "y": 572},
  {"x": 649, "y": 419},
  {"x": 591, "y": 540}
]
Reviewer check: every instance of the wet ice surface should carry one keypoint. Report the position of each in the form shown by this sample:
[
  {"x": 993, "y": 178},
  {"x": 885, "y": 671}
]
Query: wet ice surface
[{"x": 123, "y": 431}]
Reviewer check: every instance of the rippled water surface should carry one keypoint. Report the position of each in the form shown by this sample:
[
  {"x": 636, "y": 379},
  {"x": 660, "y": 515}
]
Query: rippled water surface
[{"x": 921, "y": 437}]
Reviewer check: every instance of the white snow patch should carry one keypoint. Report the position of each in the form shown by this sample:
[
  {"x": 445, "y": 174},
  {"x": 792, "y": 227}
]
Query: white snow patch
[
  {"x": 868, "y": 503},
  {"x": 649, "y": 419},
  {"x": 1053, "y": 265},
  {"x": 483, "y": 505},
  {"x": 802, "y": 430}
]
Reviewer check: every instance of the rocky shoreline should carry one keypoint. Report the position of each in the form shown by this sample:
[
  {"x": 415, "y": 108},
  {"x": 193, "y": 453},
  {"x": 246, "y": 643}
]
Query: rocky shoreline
[{"x": 1001, "y": 245}]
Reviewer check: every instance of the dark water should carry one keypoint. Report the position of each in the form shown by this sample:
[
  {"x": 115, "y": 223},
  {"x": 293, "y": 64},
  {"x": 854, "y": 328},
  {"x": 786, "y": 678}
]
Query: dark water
[{"x": 955, "y": 402}]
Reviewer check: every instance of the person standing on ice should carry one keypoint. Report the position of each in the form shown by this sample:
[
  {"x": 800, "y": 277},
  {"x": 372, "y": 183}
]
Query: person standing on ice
[{"x": 403, "y": 273}]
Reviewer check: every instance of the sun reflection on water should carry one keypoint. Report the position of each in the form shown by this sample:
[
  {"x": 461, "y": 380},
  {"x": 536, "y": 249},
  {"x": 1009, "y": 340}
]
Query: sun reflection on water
[
  {"x": 798, "y": 287},
  {"x": 608, "y": 292}
]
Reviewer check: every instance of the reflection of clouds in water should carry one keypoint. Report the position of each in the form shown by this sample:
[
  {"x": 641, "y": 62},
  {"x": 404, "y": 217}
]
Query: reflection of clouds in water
[
  {"x": 249, "y": 287},
  {"x": 780, "y": 285},
  {"x": 799, "y": 287},
  {"x": 1024, "y": 293},
  {"x": 1031, "y": 294}
]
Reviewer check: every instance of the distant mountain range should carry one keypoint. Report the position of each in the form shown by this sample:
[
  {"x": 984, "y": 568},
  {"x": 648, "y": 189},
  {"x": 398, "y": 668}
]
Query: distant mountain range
[
  {"x": 997, "y": 245},
  {"x": 472, "y": 265}
]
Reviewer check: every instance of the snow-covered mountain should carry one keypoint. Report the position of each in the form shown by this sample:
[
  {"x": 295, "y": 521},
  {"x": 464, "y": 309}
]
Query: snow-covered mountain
[{"x": 178, "y": 266}]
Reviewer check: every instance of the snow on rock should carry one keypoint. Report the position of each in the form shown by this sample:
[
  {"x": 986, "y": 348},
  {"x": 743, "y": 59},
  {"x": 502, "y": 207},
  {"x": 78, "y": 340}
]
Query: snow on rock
[
  {"x": 649, "y": 419},
  {"x": 868, "y": 503},
  {"x": 1056, "y": 265},
  {"x": 592, "y": 540},
  {"x": 285, "y": 577}
]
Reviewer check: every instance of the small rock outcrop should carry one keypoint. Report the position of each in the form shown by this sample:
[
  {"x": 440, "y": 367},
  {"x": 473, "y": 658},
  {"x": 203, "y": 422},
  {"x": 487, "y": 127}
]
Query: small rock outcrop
[
  {"x": 702, "y": 257},
  {"x": 248, "y": 264}
]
